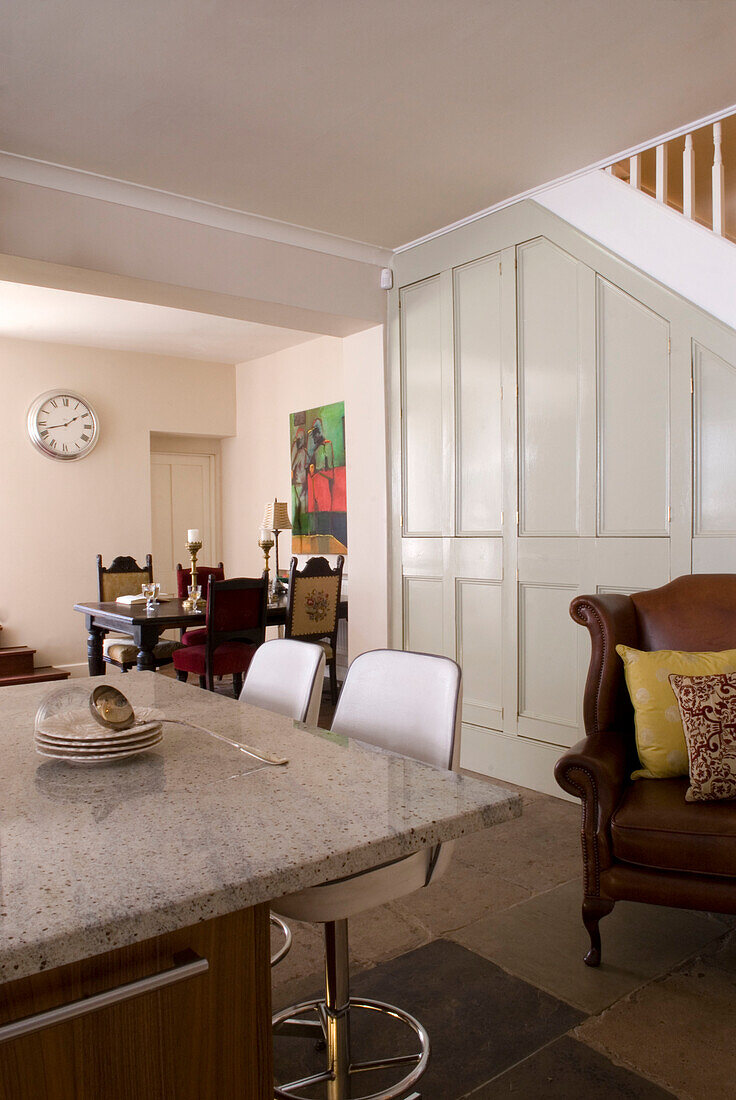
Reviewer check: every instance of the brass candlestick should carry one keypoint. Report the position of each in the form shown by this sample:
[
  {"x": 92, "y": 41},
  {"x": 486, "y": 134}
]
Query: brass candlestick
[
  {"x": 193, "y": 604},
  {"x": 265, "y": 541}
]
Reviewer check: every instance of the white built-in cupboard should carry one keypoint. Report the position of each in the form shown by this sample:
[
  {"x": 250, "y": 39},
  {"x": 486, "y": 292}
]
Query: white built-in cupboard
[{"x": 560, "y": 424}]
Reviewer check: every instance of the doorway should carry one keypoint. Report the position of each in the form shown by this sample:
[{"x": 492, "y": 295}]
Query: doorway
[{"x": 183, "y": 496}]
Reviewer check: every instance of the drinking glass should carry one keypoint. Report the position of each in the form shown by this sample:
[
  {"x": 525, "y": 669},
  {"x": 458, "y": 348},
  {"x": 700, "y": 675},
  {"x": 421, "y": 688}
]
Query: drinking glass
[
  {"x": 151, "y": 591},
  {"x": 195, "y": 592}
]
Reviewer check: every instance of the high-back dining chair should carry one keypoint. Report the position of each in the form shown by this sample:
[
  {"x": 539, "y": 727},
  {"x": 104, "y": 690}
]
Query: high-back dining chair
[
  {"x": 313, "y": 606},
  {"x": 124, "y": 577},
  {"x": 409, "y": 703},
  {"x": 235, "y": 627},
  {"x": 183, "y": 580},
  {"x": 286, "y": 676}
]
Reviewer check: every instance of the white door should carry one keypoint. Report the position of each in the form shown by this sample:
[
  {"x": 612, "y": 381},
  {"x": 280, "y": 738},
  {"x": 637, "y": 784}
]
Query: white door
[{"x": 182, "y": 497}]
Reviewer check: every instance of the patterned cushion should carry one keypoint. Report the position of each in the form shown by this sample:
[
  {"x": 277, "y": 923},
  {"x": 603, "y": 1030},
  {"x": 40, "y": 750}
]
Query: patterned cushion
[{"x": 708, "y": 708}]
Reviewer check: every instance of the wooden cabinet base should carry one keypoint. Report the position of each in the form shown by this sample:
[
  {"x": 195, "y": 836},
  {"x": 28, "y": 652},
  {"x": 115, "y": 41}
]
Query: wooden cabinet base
[{"x": 202, "y": 1037}]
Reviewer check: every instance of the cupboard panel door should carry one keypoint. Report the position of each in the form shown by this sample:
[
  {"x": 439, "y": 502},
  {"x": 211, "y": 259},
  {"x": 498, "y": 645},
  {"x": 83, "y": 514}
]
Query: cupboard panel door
[
  {"x": 479, "y": 627},
  {"x": 475, "y": 567},
  {"x": 422, "y": 400},
  {"x": 633, "y": 416},
  {"x": 424, "y": 614},
  {"x": 478, "y": 440},
  {"x": 714, "y": 384},
  {"x": 550, "y": 359},
  {"x": 548, "y": 663}
]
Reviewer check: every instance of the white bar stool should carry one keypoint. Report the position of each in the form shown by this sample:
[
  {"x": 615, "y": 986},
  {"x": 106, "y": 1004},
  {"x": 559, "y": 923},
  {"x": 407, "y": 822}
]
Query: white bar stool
[
  {"x": 286, "y": 676},
  {"x": 409, "y": 703}
]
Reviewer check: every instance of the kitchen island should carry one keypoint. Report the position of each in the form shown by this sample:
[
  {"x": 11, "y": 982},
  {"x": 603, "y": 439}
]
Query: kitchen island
[{"x": 142, "y": 887}]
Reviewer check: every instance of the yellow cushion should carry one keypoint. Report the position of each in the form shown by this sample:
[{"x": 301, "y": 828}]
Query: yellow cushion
[{"x": 660, "y": 739}]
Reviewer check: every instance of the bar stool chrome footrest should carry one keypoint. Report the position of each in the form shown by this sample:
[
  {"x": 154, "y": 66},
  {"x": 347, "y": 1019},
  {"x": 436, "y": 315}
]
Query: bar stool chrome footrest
[
  {"x": 283, "y": 951},
  {"x": 289, "y": 1022}
]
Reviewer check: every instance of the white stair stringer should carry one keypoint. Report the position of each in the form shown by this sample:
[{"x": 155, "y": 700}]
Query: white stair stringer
[{"x": 682, "y": 255}]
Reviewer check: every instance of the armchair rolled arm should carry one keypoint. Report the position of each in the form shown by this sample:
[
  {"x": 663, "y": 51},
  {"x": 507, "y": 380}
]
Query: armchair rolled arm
[
  {"x": 610, "y": 618},
  {"x": 595, "y": 770}
]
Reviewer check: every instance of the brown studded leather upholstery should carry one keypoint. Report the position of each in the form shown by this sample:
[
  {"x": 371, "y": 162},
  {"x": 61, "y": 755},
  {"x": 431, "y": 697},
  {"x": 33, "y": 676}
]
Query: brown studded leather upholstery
[{"x": 641, "y": 840}]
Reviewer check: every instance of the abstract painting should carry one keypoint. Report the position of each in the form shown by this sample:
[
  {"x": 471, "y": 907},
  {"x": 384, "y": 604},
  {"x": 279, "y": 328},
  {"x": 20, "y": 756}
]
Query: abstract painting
[{"x": 318, "y": 493}]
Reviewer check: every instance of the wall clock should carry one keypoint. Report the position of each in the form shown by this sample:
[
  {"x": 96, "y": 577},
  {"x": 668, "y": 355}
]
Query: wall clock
[{"x": 62, "y": 424}]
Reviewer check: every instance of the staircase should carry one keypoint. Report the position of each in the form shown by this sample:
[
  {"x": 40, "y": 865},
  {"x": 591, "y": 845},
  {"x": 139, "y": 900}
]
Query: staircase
[
  {"x": 16, "y": 667},
  {"x": 694, "y": 173}
]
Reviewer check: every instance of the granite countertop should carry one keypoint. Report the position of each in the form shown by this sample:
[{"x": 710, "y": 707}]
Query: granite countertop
[{"x": 93, "y": 858}]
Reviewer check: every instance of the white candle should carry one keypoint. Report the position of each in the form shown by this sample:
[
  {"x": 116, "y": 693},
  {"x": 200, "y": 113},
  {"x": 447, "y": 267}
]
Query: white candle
[{"x": 193, "y": 535}]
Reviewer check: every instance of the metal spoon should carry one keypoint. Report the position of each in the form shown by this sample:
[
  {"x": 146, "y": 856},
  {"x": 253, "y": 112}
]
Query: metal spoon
[{"x": 114, "y": 710}]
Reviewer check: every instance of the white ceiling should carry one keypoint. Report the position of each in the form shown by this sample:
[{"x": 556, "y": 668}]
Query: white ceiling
[
  {"x": 66, "y": 317},
  {"x": 379, "y": 120}
]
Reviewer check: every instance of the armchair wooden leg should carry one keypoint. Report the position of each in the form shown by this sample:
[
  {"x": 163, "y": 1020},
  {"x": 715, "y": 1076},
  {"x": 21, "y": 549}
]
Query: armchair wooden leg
[
  {"x": 181, "y": 675},
  {"x": 237, "y": 684},
  {"x": 333, "y": 680},
  {"x": 203, "y": 681},
  {"x": 594, "y": 909}
]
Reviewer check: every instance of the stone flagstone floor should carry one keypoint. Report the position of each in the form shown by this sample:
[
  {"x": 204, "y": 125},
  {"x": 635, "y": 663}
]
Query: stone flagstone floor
[{"x": 489, "y": 958}]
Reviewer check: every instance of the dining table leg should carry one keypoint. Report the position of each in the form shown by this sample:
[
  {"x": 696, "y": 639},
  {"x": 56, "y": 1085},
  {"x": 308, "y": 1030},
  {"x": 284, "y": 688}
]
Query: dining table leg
[
  {"x": 95, "y": 662},
  {"x": 146, "y": 637}
]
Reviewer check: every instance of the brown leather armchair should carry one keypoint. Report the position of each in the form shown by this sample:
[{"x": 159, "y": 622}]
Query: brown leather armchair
[{"x": 641, "y": 840}]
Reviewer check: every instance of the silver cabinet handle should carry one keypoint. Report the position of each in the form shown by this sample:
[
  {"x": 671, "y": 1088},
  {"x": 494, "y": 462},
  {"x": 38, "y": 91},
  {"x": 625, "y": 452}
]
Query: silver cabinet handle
[{"x": 179, "y": 973}]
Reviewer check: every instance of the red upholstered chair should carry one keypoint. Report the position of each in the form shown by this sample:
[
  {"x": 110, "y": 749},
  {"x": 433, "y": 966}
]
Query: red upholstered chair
[
  {"x": 236, "y": 626},
  {"x": 183, "y": 580}
]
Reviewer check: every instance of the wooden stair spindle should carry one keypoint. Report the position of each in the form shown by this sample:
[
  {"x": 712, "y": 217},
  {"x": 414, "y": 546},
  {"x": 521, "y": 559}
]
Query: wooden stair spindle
[
  {"x": 661, "y": 174},
  {"x": 718, "y": 180},
  {"x": 688, "y": 177}
]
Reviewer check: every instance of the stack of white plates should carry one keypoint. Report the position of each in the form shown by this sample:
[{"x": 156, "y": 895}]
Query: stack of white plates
[{"x": 74, "y": 736}]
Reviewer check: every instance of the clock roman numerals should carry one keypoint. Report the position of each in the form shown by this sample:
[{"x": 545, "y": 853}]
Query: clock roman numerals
[{"x": 62, "y": 425}]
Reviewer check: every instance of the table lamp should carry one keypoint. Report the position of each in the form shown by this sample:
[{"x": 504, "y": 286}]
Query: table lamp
[{"x": 276, "y": 518}]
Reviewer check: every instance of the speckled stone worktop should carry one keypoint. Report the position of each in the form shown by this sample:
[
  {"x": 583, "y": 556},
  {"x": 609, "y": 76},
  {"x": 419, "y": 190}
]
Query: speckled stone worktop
[{"x": 93, "y": 858}]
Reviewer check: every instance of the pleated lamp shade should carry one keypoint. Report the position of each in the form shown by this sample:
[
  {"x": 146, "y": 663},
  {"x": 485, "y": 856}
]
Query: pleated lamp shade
[{"x": 276, "y": 516}]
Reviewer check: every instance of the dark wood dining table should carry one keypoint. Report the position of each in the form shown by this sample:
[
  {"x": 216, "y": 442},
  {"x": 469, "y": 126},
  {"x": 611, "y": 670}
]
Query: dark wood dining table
[{"x": 145, "y": 627}]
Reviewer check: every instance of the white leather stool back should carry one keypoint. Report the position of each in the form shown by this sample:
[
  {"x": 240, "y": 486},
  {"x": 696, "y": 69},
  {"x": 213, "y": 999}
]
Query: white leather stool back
[
  {"x": 406, "y": 702},
  {"x": 286, "y": 676}
]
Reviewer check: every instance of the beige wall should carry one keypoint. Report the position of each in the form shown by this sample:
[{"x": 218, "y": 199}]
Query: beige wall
[
  {"x": 256, "y": 463},
  {"x": 365, "y": 418},
  {"x": 55, "y": 517}
]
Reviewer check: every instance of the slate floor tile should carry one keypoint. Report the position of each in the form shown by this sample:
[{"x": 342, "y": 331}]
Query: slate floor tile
[
  {"x": 566, "y": 1070},
  {"x": 480, "y": 1019},
  {"x": 543, "y": 941}
]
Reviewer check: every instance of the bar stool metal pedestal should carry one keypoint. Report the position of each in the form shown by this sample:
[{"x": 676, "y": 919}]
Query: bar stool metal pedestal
[{"x": 333, "y": 1023}]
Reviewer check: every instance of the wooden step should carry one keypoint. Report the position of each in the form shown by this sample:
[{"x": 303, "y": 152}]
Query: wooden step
[
  {"x": 15, "y": 659},
  {"x": 35, "y": 676}
]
